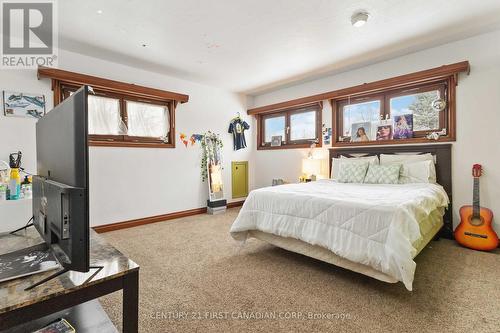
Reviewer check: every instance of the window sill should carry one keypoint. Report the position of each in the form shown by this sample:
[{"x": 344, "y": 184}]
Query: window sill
[
  {"x": 303, "y": 145},
  {"x": 96, "y": 143},
  {"x": 393, "y": 142}
]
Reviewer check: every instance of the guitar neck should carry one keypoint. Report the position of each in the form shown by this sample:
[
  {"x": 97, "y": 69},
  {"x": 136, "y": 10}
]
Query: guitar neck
[{"x": 475, "y": 200}]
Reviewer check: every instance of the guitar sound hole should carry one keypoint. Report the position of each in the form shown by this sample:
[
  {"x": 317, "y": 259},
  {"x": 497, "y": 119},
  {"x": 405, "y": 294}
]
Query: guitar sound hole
[{"x": 476, "y": 221}]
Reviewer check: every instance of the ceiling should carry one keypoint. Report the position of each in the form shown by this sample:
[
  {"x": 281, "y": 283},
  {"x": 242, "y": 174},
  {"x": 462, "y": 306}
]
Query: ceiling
[{"x": 253, "y": 46}]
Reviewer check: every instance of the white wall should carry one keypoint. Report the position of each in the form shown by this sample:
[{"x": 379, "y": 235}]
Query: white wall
[
  {"x": 130, "y": 183},
  {"x": 478, "y": 115}
]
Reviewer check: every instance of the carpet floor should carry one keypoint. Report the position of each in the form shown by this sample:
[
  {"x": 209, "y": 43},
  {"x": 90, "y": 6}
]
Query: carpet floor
[{"x": 195, "y": 278}]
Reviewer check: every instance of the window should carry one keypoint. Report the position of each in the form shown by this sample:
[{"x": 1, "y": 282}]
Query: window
[
  {"x": 414, "y": 107},
  {"x": 426, "y": 99},
  {"x": 361, "y": 110},
  {"x": 298, "y": 127},
  {"x": 303, "y": 126},
  {"x": 124, "y": 119},
  {"x": 418, "y": 102},
  {"x": 274, "y": 126},
  {"x": 121, "y": 114},
  {"x": 147, "y": 120},
  {"x": 104, "y": 116}
]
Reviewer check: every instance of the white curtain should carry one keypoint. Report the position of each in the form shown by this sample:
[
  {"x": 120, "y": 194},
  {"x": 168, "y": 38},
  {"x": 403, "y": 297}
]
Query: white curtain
[
  {"x": 104, "y": 116},
  {"x": 148, "y": 120}
]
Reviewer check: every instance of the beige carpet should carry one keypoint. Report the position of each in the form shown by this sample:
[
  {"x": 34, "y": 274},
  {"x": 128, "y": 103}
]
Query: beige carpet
[{"x": 192, "y": 266}]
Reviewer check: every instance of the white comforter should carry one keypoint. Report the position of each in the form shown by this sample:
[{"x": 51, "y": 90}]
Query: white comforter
[{"x": 374, "y": 225}]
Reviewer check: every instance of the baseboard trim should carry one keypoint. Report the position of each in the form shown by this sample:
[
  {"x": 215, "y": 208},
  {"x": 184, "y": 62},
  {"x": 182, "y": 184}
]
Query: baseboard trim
[
  {"x": 158, "y": 218},
  {"x": 147, "y": 220},
  {"x": 235, "y": 204}
]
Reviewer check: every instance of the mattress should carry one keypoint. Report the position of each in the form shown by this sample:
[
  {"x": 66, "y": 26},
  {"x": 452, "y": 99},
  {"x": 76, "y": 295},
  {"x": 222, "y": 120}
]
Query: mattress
[{"x": 378, "y": 226}]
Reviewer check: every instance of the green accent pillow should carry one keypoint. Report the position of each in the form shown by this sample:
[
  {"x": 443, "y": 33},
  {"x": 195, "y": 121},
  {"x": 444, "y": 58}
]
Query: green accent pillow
[
  {"x": 383, "y": 174},
  {"x": 352, "y": 172}
]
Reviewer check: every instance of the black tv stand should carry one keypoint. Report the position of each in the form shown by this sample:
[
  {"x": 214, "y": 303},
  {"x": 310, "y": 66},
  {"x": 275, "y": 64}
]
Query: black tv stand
[
  {"x": 64, "y": 270},
  {"x": 29, "y": 224}
]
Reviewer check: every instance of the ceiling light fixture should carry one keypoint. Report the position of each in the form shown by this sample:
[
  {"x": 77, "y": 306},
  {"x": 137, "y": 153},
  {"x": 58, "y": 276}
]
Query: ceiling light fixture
[{"x": 359, "y": 19}]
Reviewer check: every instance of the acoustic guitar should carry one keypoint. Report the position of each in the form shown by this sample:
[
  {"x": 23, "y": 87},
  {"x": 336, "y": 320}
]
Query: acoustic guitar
[{"x": 474, "y": 230}]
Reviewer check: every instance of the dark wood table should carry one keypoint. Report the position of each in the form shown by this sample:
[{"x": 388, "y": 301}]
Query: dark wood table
[{"x": 70, "y": 289}]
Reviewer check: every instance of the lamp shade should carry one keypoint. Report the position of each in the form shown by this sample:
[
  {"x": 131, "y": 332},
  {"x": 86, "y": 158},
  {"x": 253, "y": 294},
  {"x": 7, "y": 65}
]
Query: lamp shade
[{"x": 311, "y": 166}]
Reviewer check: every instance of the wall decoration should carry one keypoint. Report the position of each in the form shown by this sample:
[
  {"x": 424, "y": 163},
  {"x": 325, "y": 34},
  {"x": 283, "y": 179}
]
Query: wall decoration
[
  {"x": 439, "y": 104},
  {"x": 184, "y": 139},
  {"x": 403, "y": 127},
  {"x": 384, "y": 132},
  {"x": 23, "y": 105},
  {"x": 276, "y": 141},
  {"x": 436, "y": 135},
  {"x": 237, "y": 128},
  {"x": 361, "y": 132},
  {"x": 327, "y": 134},
  {"x": 195, "y": 138}
]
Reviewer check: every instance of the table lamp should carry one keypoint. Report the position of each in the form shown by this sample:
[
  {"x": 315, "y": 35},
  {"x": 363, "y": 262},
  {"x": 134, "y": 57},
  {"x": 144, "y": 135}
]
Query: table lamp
[{"x": 311, "y": 167}]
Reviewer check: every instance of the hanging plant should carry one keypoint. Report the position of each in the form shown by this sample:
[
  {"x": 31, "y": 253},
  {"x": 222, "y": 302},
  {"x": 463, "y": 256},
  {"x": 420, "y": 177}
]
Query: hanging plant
[{"x": 211, "y": 152}]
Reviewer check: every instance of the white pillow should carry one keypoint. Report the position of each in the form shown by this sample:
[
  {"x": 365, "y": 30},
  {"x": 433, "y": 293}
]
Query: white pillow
[
  {"x": 405, "y": 158},
  {"x": 337, "y": 163},
  {"x": 418, "y": 172},
  {"x": 426, "y": 175}
]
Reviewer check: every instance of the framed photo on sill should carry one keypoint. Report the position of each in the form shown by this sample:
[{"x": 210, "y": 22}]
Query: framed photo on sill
[
  {"x": 384, "y": 132},
  {"x": 403, "y": 127},
  {"x": 276, "y": 141},
  {"x": 362, "y": 132}
]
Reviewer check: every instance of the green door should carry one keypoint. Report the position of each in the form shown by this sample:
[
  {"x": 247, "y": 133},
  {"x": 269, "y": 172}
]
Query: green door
[{"x": 239, "y": 175}]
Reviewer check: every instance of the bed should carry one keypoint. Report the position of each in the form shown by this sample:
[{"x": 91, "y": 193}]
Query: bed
[{"x": 372, "y": 229}]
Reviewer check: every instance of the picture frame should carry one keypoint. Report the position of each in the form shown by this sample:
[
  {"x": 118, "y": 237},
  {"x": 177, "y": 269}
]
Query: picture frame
[
  {"x": 27, "y": 105},
  {"x": 276, "y": 140},
  {"x": 362, "y": 132},
  {"x": 384, "y": 132},
  {"x": 403, "y": 127}
]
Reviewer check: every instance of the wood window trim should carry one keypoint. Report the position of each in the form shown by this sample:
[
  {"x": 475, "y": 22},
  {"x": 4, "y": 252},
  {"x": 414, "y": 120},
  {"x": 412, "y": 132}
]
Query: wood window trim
[
  {"x": 316, "y": 107},
  {"x": 441, "y": 72},
  {"x": 447, "y": 117},
  {"x": 62, "y": 80},
  {"x": 109, "y": 85}
]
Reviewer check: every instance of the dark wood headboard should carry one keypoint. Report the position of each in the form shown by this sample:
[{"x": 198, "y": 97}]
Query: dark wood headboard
[{"x": 442, "y": 153}]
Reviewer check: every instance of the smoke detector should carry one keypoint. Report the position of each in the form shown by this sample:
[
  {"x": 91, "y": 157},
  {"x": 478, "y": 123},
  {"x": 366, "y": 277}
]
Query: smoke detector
[{"x": 359, "y": 19}]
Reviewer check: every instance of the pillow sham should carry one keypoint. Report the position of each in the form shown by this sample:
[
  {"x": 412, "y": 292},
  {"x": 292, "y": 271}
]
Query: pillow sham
[
  {"x": 338, "y": 162},
  {"x": 415, "y": 173},
  {"x": 405, "y": 158},
  {"x": 383, "y": 174},
  {"x": 418, "y": 172},
  {"x": 353, "y": 172}
]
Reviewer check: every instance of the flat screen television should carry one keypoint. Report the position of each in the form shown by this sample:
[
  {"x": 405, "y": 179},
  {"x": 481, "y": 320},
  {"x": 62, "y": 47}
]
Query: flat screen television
[{"x": 61, "y": 186}]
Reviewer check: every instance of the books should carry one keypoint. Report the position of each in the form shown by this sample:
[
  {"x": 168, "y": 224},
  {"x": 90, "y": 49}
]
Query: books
[
  {"x": 58, "y": 326},
  {"x": 28, "y": 261}
]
